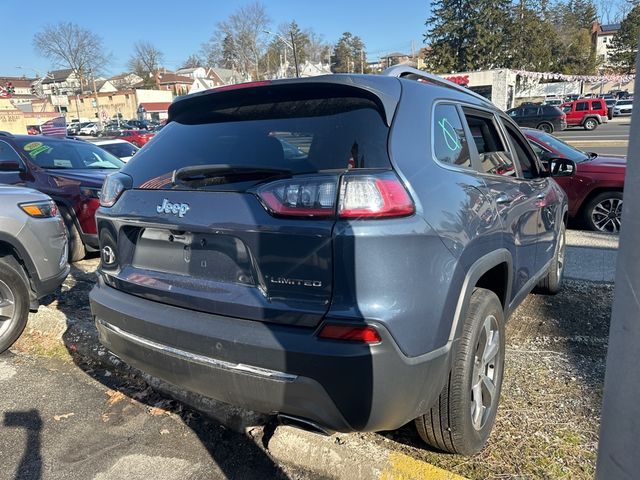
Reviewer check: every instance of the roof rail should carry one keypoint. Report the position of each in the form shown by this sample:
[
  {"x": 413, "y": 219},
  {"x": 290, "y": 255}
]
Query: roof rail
[
  {"x": 402, "y": 71},
  {"x": 5, "y": 134}
]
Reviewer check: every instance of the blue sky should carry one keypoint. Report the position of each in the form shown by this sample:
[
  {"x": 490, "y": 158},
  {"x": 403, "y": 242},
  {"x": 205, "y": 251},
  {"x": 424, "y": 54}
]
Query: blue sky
[{"x": 179, "y": 28}]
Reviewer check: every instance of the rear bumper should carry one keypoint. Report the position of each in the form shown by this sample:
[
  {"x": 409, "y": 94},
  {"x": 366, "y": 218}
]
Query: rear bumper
[{"x": 270, "y": 368}]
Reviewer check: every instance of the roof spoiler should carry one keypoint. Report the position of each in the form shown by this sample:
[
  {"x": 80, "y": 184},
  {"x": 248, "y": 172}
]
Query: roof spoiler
[{"x": 402, "y": 71}]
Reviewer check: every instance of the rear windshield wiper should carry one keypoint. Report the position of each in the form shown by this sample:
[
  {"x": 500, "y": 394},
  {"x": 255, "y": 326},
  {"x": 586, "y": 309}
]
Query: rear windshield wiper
[{"x": 216, "y": 174}]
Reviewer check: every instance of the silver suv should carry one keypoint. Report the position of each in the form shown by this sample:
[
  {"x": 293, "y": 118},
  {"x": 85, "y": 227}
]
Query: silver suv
[{"x": 33, "y": 256}]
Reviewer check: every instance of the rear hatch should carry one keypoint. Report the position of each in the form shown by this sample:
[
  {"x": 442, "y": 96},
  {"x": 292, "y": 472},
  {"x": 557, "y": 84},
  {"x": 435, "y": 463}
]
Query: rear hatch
[{"x": 230, "y": 210}]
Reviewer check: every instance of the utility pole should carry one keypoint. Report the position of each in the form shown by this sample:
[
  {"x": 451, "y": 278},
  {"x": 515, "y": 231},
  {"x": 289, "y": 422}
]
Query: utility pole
[
  {"x": 95, "y": 96},
  {"x": 295, "y": 53}
]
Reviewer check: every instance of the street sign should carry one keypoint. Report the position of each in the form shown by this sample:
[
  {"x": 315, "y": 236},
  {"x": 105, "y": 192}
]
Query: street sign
[{"x": 104, "y": 115}]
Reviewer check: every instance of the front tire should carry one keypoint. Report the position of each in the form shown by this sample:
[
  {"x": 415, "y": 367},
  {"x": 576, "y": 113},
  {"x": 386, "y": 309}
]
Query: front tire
[
  {"x": 77, "y": 250},
  {"x": 14, "y": 305},
  {"x": 463, "y": 416},
  {"x": 603, "y": 213}
]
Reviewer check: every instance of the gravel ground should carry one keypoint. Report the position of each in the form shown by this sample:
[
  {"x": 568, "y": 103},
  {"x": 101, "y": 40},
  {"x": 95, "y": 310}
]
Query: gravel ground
[{"x": 548, "y": 421}]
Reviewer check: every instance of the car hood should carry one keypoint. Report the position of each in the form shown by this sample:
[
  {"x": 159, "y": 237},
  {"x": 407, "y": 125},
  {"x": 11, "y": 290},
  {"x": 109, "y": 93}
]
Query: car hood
[
  {"x": 604, "y": 164},
  {"x": 18, "y": 190},
  {"x": 92, "y": 178}
]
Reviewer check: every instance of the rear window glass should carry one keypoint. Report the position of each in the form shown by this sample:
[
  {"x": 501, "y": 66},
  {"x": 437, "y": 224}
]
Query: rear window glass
[
  {"x": 597, "y": 105},
  {"x": 68, "y": 154},
  {"x": 300, "y": 136}
]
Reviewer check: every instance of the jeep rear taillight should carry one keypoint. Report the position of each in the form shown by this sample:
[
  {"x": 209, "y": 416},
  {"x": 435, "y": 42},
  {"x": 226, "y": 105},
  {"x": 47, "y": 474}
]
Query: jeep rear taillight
[
  {"x": 373, "y": 196},
  {"x": 355, "y": 195}
]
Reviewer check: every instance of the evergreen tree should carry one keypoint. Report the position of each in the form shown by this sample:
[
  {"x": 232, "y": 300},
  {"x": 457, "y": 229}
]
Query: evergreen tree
[
  {"x": 349, "y": 55},
  {"x": 229, "y": 53},
  {"x": 533, "y": 42},
  {"x": 625, "y": 42},
  {"x": 467, "y": 35}
]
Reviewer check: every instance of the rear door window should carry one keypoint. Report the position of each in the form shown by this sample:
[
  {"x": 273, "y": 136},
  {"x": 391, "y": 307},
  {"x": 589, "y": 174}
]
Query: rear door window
[
  {"x": 582, "y": 106},
  {"x": 276, "y": 129},
  {"x": 597, "y": 105},
  {"x": 493, "y": 155},
  {"x": 530, "y": 111},
  {"x": 449, "y": 139}
]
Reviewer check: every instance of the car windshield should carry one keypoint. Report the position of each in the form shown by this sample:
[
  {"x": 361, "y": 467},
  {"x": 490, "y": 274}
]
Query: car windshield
[
  {"x": 68, "y": 154},
  {"x": 564, "y": 149}
]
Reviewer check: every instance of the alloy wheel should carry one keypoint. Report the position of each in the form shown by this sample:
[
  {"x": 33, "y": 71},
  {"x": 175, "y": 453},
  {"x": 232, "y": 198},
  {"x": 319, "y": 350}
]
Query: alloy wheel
[
  {"x": 7, "y": 307},
  {"x": 606, "y": 216},
  {"x": 486, "y": 374}
]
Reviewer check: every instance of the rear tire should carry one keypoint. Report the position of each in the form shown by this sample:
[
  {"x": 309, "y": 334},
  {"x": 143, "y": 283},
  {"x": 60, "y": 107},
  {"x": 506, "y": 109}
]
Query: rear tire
[
  {"x": 77, "y": 250},
  {"x": 545, "y": 127},
  {"x": 14, "y": 305},
  {"x": 462, "y": 418},
  {"x": 590, "y": 124},
  {"x": 551, "y": 283}
]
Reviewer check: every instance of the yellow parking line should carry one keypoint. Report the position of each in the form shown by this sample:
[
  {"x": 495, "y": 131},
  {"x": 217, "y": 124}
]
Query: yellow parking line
[{"x": 403, "y": 467}]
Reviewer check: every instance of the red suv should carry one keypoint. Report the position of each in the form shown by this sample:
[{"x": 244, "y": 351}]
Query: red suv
[
  {"x": 586, "y": 112},
  {"x": 595, "y": 190}
]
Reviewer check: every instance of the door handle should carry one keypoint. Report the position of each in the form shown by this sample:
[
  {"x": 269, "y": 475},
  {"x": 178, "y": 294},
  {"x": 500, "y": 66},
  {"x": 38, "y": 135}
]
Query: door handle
[{"x": 541, "y": 196}]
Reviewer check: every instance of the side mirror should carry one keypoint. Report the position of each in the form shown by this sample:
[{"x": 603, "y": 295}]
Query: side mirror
[
  {"x": 10, "y": 166},
  {"x": 559, "y": 167}
]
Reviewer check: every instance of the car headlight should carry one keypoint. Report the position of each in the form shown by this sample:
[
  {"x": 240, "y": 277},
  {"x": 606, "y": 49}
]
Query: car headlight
[{"x": 44, "y": 209}]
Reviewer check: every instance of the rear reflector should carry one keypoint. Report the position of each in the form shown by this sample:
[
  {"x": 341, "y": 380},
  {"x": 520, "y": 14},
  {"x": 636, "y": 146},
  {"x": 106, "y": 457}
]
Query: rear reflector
[{"x": 366, "y": 334}]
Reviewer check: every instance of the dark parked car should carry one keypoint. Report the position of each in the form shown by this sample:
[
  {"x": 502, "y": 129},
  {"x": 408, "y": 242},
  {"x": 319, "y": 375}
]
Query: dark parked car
[
  {"x": 595, "y": 191},
  {"x": 69, "y": 171},
  {"x": 547, "y": 118},
  {"x": 357, "y": 287}
]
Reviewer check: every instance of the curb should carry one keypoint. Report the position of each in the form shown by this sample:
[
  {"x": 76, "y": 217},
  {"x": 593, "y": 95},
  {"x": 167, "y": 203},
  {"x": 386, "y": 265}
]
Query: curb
[
  {"x": 336, "y": 456},
  {"x": 349, "y": 456}
]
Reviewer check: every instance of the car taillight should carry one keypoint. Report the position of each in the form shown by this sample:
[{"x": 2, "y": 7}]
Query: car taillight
[
  {"x": 351, "y": 333},
  {"x": 360, "y": 196},
  {"x": 373, "y": 196},
  {"x": 113, "y": 186},
  {"x": 301, "y": 197}
]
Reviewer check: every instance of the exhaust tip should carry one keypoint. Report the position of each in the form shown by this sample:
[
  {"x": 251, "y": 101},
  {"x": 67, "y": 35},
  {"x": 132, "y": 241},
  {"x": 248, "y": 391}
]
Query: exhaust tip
[{"x": 303, "y": 424}]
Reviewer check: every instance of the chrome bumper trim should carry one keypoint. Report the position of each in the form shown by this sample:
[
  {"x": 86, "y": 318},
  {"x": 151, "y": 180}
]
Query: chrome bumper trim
[{"x": 201, "y": 359}]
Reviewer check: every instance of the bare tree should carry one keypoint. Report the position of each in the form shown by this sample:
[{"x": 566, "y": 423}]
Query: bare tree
[
  {"x": 318, "y": 49},
  {"x": 240, "y": 40},
  {"x": 71, "y": 46},
  {"x": 145, "y": 60},
  {"x": 193, "y": 61}
]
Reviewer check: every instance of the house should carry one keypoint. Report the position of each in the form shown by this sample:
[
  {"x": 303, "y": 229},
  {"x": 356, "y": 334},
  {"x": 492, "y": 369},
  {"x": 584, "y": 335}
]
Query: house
[
  {"x": 196, "y": 72},
  {"x": 227, "y": 76},
  {"x": 62, "y": 82},
  {"x": 178, "y": 84},
  {"x": 398, "y": 58},
  {"x": 22, "y": 90},
  {"x": 105, "y": 86},
  {"x": 126, "y": 81},
  {"x": 601, "y": 37}
]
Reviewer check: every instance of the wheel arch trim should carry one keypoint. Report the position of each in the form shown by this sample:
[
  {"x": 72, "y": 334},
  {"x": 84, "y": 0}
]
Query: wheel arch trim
[{"x": 475, "y": 272}]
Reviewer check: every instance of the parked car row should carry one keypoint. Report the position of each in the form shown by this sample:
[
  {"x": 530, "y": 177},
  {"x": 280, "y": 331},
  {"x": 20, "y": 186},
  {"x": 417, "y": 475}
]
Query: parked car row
[{"x": 110, "y": 128}]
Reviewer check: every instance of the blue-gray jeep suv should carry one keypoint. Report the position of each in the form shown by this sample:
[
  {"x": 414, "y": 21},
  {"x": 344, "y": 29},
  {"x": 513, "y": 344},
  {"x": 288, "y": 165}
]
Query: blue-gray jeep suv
[{"x": 358, "y": 283}]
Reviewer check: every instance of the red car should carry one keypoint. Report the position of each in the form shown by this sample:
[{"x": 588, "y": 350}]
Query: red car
[
  {"x": 595, "y": 191},
  {"x": 137, "y": 137},
  {"x": 586, "y": 112}
]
